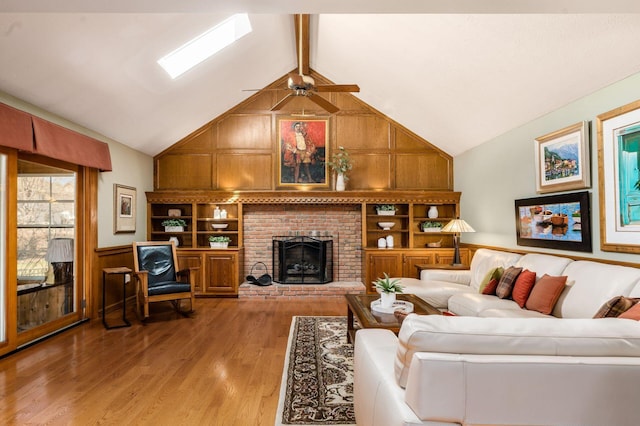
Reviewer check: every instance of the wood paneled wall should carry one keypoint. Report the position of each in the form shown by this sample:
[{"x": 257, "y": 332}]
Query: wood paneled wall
[{"x": 239, "y": 149}]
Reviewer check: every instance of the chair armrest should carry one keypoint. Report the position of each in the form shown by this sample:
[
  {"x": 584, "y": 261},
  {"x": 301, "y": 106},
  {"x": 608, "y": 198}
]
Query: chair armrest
[
  {"x": 190, "y": 274},
  {"x": 142, "y": 279},
  {"x": 457, "y": 277}
]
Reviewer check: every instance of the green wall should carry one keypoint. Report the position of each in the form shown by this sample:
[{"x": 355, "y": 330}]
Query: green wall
[{"x": 494, "y": 174}]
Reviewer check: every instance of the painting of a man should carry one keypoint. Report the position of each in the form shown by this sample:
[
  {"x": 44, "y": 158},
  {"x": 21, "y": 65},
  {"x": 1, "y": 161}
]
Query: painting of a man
[{"x": 302, "y": 152}]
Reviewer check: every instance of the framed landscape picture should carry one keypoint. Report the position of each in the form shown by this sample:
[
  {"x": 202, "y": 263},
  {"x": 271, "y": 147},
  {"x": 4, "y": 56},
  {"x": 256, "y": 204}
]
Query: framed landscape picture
[
  {"x": 560, "y": 222},
  {"x": 619, "y": 178},
  {"x": 302, "y": 152},
  {"x": 562, "y": 159}
]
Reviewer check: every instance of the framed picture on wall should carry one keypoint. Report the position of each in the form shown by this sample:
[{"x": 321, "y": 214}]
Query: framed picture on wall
[
  {"x": 619, "y": 178},
  {"x": 560, "y": 222},
  {"x": 302, "y": 152},
  {"x": 562, "y": 159},
  {"x": 124, "y": 206}
]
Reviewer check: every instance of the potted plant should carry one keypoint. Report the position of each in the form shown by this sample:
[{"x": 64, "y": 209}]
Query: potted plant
[
  {"x": 217, "y": 241},
  {"x": 386, "y": 209},
  {"x": 174, "y": 225},
  {"x": 431, "y": 226},
  {"x": 340, "y": 164},
  {"x": 388, "y": 289}
]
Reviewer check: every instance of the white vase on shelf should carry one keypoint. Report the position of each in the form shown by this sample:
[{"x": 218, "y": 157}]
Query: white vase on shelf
[
  {"x": 433, "y": 212},
  {"x": 340, "y": 184}
]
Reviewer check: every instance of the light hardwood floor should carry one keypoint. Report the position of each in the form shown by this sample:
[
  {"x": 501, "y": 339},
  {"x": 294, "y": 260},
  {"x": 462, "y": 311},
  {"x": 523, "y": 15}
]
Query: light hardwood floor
[{"x": 222, "y": 366}]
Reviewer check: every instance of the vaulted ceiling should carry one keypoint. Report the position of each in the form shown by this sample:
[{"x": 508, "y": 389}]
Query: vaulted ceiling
[{"x": 457, "y": 72}]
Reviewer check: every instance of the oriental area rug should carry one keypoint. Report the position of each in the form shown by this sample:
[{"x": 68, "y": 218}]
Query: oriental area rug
[{"x": 317, "y": 379}]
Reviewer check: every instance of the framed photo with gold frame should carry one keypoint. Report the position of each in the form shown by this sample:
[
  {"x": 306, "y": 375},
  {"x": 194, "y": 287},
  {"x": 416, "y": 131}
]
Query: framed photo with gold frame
[
  {"x": 562, "y": 159},
  {"x": 124, "y": 209},
  {"x": 302, "y": 152},
  {"x": 619, "y": 178}
]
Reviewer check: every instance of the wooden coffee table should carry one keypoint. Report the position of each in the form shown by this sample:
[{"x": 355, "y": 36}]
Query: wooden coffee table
[{"x": 359, "y": 307}]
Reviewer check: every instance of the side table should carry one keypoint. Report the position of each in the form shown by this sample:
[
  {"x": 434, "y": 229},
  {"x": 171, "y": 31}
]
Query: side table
[{"x": 121, "y": 270}]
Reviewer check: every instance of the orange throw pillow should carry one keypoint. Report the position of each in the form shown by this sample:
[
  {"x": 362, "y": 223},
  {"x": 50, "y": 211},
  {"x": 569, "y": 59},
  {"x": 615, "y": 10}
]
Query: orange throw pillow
[
  {"x": 545, "y": 294},
  {"x": 490, "y": 288},
  {"x": 632, "y": 313},
  {"x": 522, "y": 287}
]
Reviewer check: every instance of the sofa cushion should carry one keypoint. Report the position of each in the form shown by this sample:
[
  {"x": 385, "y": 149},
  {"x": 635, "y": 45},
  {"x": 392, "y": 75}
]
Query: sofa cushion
[
  {"x": 490, "y": 288},
  {"x": 512, "y": 313},
  {"x": 435, "y": 293},
  {"x": 471, "y": 304},
  {"x": 508, "y": 279},
  {"x": 614, "y": 307},
  {"x": 632, "y": 313},
  {"x": 517, "y": 336},
  {"x": 545, "y": 293},
  {"x": 543, "y": 263},
  {"x": 484, "y": 259},
  {"x": 522, "y": 287},
  {"x": 590, "y": 284}
]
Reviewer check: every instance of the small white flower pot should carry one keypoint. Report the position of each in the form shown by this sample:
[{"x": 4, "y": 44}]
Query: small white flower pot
[
  {"x": 387, "y": 299},
  {"x": 173, "y": 228},
  {"x": 218, "y": 244}
]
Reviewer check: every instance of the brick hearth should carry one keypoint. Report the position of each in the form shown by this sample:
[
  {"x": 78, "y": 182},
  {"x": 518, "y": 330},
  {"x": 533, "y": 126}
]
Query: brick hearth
[{"x": 289, "y": 291}]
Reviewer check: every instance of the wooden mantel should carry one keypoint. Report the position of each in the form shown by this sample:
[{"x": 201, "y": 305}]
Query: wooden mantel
[{"x": 304, "y": 197}]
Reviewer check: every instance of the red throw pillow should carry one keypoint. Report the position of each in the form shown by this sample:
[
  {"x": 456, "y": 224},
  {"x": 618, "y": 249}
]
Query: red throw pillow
[
  {"x": 522, "y": 287},
  {"x": 545, "y": 294},
  {"x": 632, "y": 313},
  {"x": 490, "y": 288}
]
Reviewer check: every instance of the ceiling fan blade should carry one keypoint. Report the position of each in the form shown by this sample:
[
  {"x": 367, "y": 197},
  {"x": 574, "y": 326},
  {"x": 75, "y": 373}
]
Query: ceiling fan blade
[
  {"x": 337, "y": 88},
  {"x": 283, "y": 102},
  {"x": 301, "y": 23},
  {"x": 323, "y": 103}
]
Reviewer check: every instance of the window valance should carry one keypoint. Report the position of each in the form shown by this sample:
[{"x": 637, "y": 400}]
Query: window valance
[{"x": 32, "y": 134}]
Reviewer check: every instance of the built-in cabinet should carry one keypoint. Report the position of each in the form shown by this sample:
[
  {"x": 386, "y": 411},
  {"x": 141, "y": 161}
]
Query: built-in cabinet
[
  {"x": 402, "y": 262},
  {"x": 413, "y": 243},
  {"x": 220, "y": 269}
]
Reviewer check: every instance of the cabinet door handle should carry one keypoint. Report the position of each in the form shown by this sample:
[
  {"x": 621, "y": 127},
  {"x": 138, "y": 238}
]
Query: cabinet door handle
[{"x": 437, "y": 258}]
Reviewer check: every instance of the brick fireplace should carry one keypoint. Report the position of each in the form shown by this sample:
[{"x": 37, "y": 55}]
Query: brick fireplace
[{"x": 343, "y": 222}]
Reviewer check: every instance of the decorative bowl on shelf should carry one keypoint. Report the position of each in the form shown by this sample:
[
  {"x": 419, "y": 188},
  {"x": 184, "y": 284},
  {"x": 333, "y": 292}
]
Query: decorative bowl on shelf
[
  {"x": 386, "y": 225},
  {"x": 219, "y": 225}
]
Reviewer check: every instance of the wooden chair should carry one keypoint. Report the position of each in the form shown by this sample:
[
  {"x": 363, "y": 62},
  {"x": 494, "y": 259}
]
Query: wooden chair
[{"x": 158, "y": 278}]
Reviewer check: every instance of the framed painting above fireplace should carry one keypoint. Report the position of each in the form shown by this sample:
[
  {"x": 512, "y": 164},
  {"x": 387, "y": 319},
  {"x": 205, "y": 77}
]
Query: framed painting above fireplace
[{"x": 302, "y": 150}]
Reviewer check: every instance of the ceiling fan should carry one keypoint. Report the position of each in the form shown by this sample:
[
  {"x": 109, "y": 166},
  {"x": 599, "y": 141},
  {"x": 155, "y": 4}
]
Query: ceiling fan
[{"x": 301, "y": 83}]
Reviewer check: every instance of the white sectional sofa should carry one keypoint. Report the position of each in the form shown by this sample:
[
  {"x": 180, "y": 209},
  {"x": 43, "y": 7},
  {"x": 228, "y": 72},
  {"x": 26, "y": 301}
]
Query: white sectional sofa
[{"x": 497, "y": 363}]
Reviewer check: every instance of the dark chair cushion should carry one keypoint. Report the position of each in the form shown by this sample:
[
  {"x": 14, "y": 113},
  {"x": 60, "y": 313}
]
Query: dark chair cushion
[
  {"x": 168, "y": 287},
  {"x": 158, "y": 261}
]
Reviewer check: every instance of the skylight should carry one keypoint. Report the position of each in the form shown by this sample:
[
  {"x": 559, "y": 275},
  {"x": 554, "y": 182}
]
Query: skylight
[{"x": 205, "y": 45}]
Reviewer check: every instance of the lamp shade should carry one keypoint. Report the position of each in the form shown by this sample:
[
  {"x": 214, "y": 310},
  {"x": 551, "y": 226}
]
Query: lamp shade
[
  {"x": 60, "y": 250},
  {"x": 457, "y": 225}
]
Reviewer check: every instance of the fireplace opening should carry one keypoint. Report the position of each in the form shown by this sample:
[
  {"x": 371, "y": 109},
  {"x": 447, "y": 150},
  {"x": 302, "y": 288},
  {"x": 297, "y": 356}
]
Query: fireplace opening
[{"x": 302, "y": 260}]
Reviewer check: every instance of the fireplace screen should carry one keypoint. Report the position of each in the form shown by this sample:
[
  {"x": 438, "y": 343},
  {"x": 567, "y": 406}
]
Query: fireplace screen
[{"x": 302, "y": 260}]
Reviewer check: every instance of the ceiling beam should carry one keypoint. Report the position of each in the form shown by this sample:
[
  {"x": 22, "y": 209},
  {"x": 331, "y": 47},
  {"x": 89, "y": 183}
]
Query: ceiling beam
[{"x": 301, "y": 23}]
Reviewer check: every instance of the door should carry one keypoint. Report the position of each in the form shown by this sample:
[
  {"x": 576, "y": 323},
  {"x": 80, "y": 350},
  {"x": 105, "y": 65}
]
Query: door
[
  {"x": 47, "y": 246},
  {"x": 379, "y": 263},
  {"x": 220, "y": 273}
]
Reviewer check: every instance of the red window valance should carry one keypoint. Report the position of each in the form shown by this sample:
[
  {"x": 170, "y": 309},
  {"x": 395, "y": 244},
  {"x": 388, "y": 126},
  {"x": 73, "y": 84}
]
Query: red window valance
[{"x": 35, "y": 135}]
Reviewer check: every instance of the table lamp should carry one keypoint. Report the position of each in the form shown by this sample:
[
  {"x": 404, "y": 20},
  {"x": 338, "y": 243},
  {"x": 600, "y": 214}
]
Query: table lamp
[
  {"x": 457, "y": 226},
  {"x": 60, "y": 256}
]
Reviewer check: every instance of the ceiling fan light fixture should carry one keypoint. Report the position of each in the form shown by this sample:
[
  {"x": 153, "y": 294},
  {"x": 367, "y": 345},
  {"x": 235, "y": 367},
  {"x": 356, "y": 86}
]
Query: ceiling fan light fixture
[{"x": 205, "y": 45}]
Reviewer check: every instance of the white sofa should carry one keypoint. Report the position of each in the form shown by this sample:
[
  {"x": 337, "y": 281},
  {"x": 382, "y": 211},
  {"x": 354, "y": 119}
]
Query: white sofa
[{"x": 495, "y": 363}]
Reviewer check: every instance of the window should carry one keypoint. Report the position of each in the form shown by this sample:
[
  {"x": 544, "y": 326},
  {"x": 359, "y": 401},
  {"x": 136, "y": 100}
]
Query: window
[{"x": 46, "y": 210}]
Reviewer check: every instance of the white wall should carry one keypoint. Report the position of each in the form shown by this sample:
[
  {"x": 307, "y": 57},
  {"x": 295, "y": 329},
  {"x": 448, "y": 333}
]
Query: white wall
[
  {"x": 500, "y": 171},
  {"x": 130, "y": 168}
]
